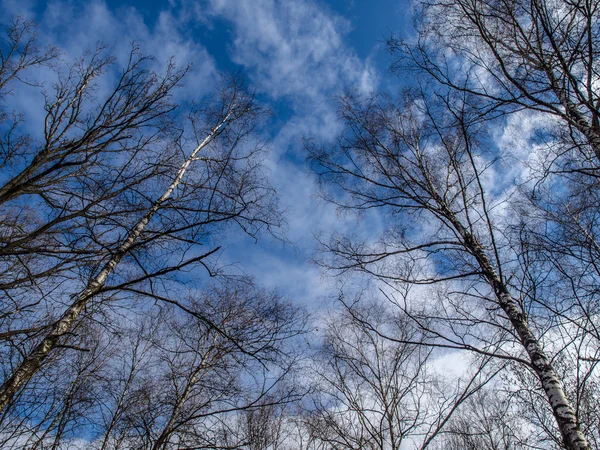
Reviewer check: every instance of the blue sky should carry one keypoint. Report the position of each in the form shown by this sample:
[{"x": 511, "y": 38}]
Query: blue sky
[{"x": 298, "y": 54}]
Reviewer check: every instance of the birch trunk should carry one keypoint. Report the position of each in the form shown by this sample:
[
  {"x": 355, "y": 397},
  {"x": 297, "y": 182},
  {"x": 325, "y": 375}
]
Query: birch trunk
[
  {"x": 33, "y": 361},
  {"x": 575, "y": 116},
  {"x": 562, "y": 410}
]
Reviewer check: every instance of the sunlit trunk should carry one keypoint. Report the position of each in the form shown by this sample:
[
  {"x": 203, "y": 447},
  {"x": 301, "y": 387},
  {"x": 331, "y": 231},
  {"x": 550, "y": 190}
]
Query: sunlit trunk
[{"x": 33, "y": 361}]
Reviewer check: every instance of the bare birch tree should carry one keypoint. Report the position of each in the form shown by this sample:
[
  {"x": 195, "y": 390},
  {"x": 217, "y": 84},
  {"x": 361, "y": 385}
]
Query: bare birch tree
[
  {"x": 235, "y": 108},
  {"x": 172, "y": 380},
  {"x": 67, "y": 190},
  {"x": 538, "y": 57},
  {"x": 116, "y": 198},
  {"x": 59, "y": 406},
  {"x": 486, "y": 422},
  {"x": 423, "y": 161},
  {"x": 372, "y": 390},
  {"x": 379, "y": 393},
  {"x": 232, "y": 366},
  {"x": 516, "y": 54}
]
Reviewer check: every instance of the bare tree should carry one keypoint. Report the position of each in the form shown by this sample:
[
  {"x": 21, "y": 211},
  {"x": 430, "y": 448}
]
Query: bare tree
[
  {"x": 422, "y": 161},
  {"x": 535, "y": 56},
  {"x": 172, "y": 380},
  {"x": 515, "y": 54},
  {"x": 380, "y": 393},
  {"x": 486, "y": 422},
  {"x": 257, "y": 325},
  {"x": 538, "y": 56},
  {"x": 226, "y": 360},
  {"x": 18, "y": 53},
  {"x": 372, "y": 393},
  {"x": 59, "y": 406},
  {"x": 67, "y": 191},
  {"x": 114, "y": 201},
  {"x": 127, "y": 369}
]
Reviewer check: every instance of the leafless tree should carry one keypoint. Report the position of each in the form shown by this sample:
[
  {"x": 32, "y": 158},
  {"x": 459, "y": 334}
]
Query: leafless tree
[
  {"x": 104, "y": 212},
  {"x": 486, "y": 422},
  {"x": 57, "y": 407},
  {"x": 70, "y": 186},
  {"x": 536, "y": 56},
  {"x": 423, "y": 161},
  {"x": 18, "y": 53},
  {"x": 265, "y": 427},
  {"x": 233, "y": 365},
  {"x": 379, "y": 393},
  {"x": 515, "y": 54},
  {"x": 171, "y": 380},
  {"x": 373, "y": 391}
]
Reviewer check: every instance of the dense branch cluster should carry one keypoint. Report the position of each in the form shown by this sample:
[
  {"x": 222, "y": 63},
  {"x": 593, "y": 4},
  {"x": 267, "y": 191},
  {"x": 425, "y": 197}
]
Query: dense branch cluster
[{"x": 105, "y": 214}]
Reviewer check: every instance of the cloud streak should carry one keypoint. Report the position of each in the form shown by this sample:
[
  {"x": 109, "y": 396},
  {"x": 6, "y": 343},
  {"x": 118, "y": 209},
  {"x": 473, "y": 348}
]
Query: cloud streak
[{"x": 294, "y": 49}]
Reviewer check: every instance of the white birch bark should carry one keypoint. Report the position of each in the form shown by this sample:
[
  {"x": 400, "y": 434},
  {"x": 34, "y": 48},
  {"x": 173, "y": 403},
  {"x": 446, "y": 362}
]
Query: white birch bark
[
  {"x": 562, "y": 410},
  {"x": 33, "y": 361},
  {"x": 575, "y": 116}
]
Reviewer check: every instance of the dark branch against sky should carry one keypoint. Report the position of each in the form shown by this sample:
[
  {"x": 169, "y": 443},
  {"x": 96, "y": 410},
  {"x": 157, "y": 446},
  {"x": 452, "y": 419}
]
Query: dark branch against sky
[{"x": 298, "y": 55}]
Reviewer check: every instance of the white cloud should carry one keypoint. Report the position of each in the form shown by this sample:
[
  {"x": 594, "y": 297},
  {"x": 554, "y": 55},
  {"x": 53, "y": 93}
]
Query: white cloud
[
  {"x": 79, "y": 27},
  {"x": 294, "y": 49},
  {"x": 295, "y": 53}
]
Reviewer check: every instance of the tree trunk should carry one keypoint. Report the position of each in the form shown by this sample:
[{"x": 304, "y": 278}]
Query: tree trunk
[
  {"x": 576, "y": 118},
  {"x": 33, "y": 361},
  {"x": 562, "y": 410}
]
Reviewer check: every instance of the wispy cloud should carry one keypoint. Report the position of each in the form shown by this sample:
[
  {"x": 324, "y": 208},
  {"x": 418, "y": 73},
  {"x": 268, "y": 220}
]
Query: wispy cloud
[
  {"x": 294, "y": 49},
  {"x": 296, "y": 54}
]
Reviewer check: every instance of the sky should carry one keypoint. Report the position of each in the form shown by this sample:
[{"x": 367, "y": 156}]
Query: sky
[{"x": 298, "y": 54}]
